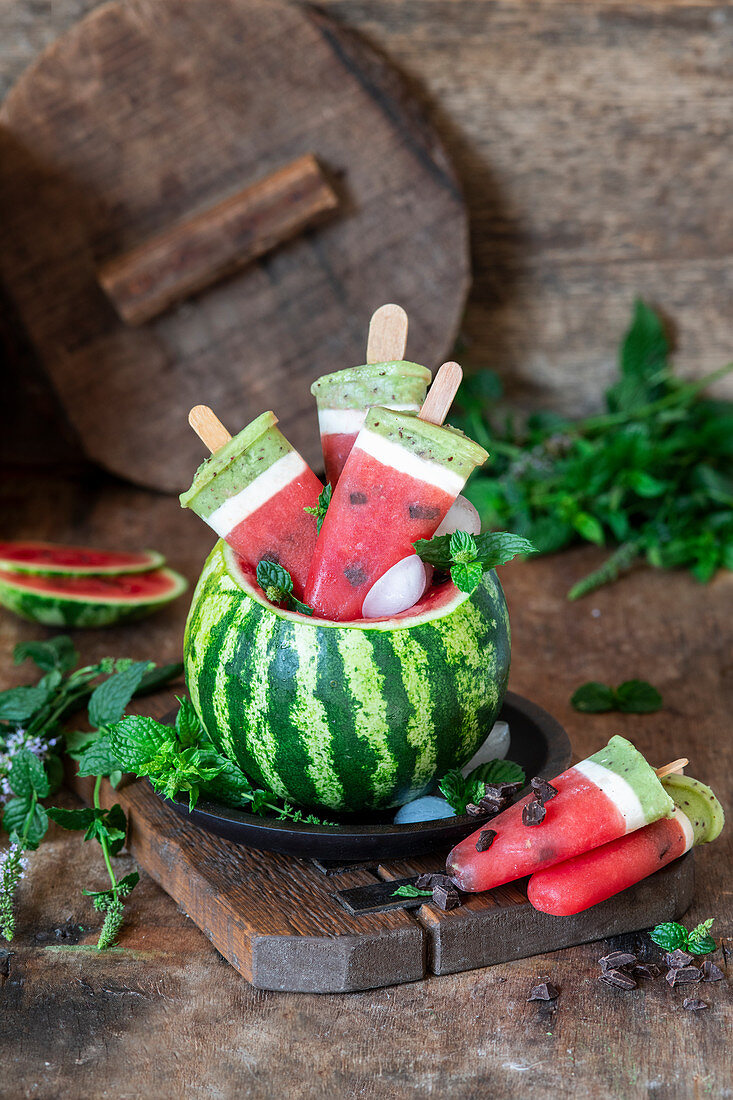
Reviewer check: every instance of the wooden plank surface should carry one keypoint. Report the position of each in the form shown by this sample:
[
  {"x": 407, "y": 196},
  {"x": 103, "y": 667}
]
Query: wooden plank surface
[
  {"x": 589, "y": 139},
  {"x": 167, "y": 1016}
]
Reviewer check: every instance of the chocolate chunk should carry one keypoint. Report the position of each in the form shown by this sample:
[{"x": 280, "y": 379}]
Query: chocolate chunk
[
  {"x": 424, "y": 511},
  {"x": 543, "y": 790},
  {"x": 545, "y": 991},
  {"x": 428, "y": 881},
  {"x": 677, "y": 959},
  {"x": 694, "y": 1004},
  {"x": 617, "y": 960},
  {"x": 646, "y": 970},
  {"x": 491, "y": 805},
  {"x": 684, "y": 974},
  {"x": 711, "y": 972},
  {"x": 474, "y": 810},
  {"x": 485, "y": 840},
  {"x": 502, "y": 790},
  {"x": 358, "y": 498},
  {"x": 618, "y": 978},
  {"x": 355, "y": 575},
  {"x": 533, "y": 813},
  {"x": 446, "y": 897}
]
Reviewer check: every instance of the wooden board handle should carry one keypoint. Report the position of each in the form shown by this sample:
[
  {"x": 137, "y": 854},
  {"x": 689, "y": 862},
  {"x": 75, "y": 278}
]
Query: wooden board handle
[
  {"x": 441, "y": 393},
  {"x": 387, "y": 338},
  {"x": 190, "y": 256},
  {"x": 675, "y": 768},
  {"x": 208, "y": 427}
]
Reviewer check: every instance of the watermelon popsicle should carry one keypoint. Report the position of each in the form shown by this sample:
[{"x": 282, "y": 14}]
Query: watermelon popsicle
[
  {"x": 612, "y": 793},
  {"x": 594, "y": 876},
  {"x": 387, "y": 380},
  {"x": 252, "y": 492},
  {"x": 402, "y": 476},
  {"x": 344, "y": 397}
]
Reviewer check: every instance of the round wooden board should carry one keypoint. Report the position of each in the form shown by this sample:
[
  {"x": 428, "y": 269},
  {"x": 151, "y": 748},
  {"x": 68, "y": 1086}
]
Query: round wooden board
[{"x": 151, "y": 110}]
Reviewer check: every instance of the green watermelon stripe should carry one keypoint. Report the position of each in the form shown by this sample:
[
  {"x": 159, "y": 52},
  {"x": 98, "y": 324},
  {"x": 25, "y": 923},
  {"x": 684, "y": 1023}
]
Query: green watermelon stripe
[
  {"x": 308, "y": 712},
  {"x": 365, "y": 684},
  {"x": 412, "y": 680}
]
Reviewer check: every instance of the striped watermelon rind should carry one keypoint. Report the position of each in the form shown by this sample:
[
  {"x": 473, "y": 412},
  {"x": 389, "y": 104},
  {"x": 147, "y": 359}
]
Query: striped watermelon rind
[
  {"x": 344, "y": 716},
  {"x": 49, "y": 558},
  {"x": 53, "y": 602}
]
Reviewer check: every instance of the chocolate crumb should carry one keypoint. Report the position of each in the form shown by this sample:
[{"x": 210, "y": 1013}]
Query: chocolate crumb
[
  {"x": 543, "y": 790},
  {"x": 677, "y": 959},
  {"x": 711, "y": 972},
  {"x": 646, "y": 970},
  {"x": 618, "y": 978},
  {"x": 502, "y": 790},
  {"x": 533, "y": 813},
  {"x": 491, "y": 805},
  {"x": 485, "y": 840},
  {"x": 545, "y": 991},
  {"x": 617, "y": 960},
  {"x": 683, "y": 974},
  {"x": 429, "y": 880},
  {"x": 474, "y": 810},
  {"x": 446, "y": 897},
  {"x": 694, "y": 1004}
]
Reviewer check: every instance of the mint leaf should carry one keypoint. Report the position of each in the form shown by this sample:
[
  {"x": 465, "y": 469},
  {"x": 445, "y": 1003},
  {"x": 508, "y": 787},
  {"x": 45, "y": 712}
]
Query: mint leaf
[
  {"x": 136, "y": 740},
  {"x": 71, "y": 819},
  {"x": 699, "y": 941},
  {"x": 24, "y": 817},
  {"x": 98, "y": 758},
  {"x": 101, "y": 898},
  {"x": 637, "y": 697},
  {"x": 272, "y": 577},
  {"x": 498, "y": 547},
  {"x": 588, "y": 528},
  {"x": 109, "y": 825},
  {"x": 456, "y": 790},
  {"x": 462, "y": 547},
  {"x": 324, "y": 499},
  {"x": 410, "y": 891},
  {"x": 435, "y": 551},
  {"x": 298, "y": 605},
  {"x": 75, "y": 741},
  {"x": 108, "y": 700},
  {"x": 56, "y": 653},
  {"x": 21, "y": 703},
  {"x": 593, "y": 698},
  {"x": 27, "y": 775},
  {"x": 188, "y": 724},
  {"x": 466, "y": 576},
  {"x": 498, "y": 771},
  {"x": 669, "y": 936}
]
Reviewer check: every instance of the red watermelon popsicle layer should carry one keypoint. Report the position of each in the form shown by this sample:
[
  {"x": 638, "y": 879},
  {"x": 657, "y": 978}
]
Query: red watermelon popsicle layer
[
  {"x": 590, "y": 878},
  {"x": 253, "y": 491},
  {"x": 400, "y": 479},
  {"x": 612, "y": 793},
  {"x": 344, "y": 397}
]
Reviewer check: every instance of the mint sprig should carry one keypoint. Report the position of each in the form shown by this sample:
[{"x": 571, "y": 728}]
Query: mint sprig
[
  {"x": 671, "y": 935},
  {"x": 458, "y": 790},
  {"x": 277, "y": 584},
  {"x": 467, "y": 557},
  {"x": 324, "y": 499},
  {"x": 631, "y": 697}
]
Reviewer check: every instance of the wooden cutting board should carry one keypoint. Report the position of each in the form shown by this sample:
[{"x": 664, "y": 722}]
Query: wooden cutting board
[
  {"x": 153, "y": 113},
  {"x": 280, "y": 922}
]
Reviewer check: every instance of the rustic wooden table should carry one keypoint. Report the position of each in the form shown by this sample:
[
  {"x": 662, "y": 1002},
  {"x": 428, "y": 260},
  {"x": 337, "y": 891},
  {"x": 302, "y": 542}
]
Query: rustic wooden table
[{"x": 164, "y": 1015}]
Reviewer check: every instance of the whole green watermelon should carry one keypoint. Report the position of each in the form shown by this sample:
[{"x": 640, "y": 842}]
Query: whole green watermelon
[{"x": 349, "y": 716}]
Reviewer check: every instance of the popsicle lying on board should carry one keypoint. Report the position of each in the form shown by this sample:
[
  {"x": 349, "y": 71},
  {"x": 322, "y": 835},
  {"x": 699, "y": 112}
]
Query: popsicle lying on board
[
  {"x": 612, "y": 793},
  {"x": 253, "y": 490},
  {"x": 593, "y": 876},
  {"x": 400, "y": 479}
]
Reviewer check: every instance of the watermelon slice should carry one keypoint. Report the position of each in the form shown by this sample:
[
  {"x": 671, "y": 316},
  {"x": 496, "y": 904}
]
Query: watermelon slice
[
  {"x": 75, "y": 561},
  {"x": 88, "y": 601}
]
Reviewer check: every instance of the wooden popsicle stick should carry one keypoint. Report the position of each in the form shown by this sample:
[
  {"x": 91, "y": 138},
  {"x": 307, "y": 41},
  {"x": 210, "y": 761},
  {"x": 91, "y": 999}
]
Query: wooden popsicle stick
[
  {"x": 441, "y": 393},
  {"x": 387, "y": 338},
  {"x": 208, "y": 427},
  {"x": 676, "y": 767}
]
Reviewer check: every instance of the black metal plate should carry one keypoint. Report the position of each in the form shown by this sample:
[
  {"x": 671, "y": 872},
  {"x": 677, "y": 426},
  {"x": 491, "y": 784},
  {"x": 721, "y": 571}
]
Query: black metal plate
[{"x": 538, "y": 742}]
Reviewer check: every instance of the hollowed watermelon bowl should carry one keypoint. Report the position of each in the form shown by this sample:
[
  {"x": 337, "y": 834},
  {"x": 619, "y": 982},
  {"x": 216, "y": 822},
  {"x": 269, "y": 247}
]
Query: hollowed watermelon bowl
[{"x": 345, "y": 716}]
